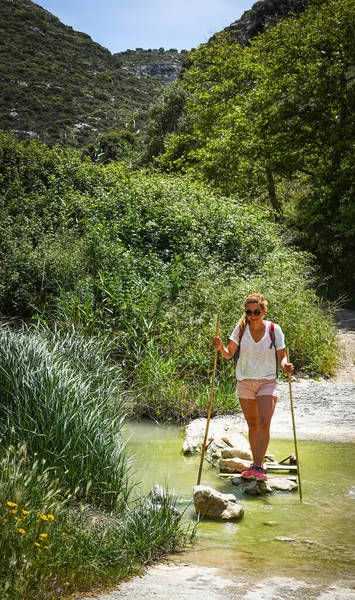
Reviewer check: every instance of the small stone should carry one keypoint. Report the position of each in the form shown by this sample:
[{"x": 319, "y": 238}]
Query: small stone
[
  {"x": 271, "y": 523},
  {"x": 258, "y": 488},
  {"x": 285, "y": 539}
]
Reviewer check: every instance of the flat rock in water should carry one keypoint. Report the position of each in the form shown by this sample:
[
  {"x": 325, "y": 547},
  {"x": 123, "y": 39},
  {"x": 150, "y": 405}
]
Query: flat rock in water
[
  {"x": 233, "y": 465},
  {"x": 270, "y": 485},
  {"x": 210, "y": 503}
]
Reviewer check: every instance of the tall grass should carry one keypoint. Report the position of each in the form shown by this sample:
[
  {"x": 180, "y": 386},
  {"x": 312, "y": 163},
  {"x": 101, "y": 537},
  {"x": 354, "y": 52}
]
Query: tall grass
[
  {"x": 51, "y": 547},
  {"x": 64, "y": 415},
  {"x": 67, "y": 518}
]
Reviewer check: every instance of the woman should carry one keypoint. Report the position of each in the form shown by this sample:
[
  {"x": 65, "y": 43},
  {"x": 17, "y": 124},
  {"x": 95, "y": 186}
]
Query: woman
[{"x": 256, "y": 372}]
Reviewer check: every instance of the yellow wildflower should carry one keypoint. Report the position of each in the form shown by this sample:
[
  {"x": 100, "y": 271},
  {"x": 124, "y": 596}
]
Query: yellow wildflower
[
  {"x": 45, "y": 547},
  {"x": 22, "y": 531},
  {"x": 50, "y": 517},
  {"x": 4, "y": 520},
  {"x": 43, "y": 517},
  {"x": 13, "y": 511},
  {"x": 25, "y": 512},
  {"x": 43, "y": 535},
  {"x": 37, "y": 544},
  {"x": 11, "y": 504}
]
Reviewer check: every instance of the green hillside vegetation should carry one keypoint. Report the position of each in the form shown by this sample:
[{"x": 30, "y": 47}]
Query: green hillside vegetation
[
  {"x": 147, "y": 260},
  {"x": 59, "y": 85},
  {"x": 273, "y": 121}
]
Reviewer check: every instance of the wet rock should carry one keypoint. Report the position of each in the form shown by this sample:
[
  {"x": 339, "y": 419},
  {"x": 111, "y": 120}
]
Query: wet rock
[
  {"x": 258, "y": 488},
  {"x": 158, "y": 494},
  {"x": 213, "y": 504},
  {"x": 270, "y": 485},
  {"x": 282, "y": 484},
  {"x": 233, "y": 465},
  {"x": 223, "y": 433},
  {"x": 159, "y": 497}
]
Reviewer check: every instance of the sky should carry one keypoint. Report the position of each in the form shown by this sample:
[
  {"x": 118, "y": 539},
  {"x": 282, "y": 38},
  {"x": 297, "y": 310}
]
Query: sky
[{"x": 120, "y": 25}]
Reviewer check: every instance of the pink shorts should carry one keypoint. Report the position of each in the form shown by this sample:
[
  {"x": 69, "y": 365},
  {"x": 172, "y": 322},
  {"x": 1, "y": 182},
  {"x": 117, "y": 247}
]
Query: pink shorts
[{"x": 252, "y": 388}]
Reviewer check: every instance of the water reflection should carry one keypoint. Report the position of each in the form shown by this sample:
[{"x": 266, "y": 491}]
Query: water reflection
[{"x": 320, "y": 531}]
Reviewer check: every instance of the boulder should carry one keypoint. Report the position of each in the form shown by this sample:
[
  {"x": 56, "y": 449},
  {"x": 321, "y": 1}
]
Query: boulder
[
  {"x": 235, "y": 453},
  {"x": 216, "y": 505},
  {"x": 233, "y": 465},
  {"x": 238, "y": 444},
  {"x": 222, "y": 434},
  {"x": 159, "y": 494}
]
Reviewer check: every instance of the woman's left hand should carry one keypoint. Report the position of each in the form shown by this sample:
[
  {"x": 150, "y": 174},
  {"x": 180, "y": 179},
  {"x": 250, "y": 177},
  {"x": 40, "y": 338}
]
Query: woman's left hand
[{"x": 288, "y": 368}]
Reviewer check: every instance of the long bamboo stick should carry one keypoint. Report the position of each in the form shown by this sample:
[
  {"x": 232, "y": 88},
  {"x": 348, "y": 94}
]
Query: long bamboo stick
[
  {"x": 209, "y": 407},
  {"x": 294, "y": 431}
]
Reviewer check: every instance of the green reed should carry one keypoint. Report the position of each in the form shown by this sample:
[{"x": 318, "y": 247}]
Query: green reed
[{"x": 67, "y": 415}]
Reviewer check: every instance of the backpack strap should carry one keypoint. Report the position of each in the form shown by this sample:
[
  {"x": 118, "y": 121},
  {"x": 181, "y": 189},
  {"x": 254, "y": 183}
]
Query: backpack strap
[
  {"x": 272, "y": 334},
  {"x": 273, "y": 344}
]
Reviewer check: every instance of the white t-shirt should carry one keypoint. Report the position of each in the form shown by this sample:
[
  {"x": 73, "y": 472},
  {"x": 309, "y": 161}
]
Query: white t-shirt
[{"x": 256, "y": 359}]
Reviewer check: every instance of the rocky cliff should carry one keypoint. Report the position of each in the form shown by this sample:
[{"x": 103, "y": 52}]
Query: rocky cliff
[{"x": 262, "y": 14}]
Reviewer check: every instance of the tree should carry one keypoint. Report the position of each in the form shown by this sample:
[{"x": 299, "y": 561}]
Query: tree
[{"x": 281, "y": 110}]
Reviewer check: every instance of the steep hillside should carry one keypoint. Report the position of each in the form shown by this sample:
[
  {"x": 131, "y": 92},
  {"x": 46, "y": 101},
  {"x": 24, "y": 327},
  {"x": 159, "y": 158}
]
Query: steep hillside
[
  {"x": 59, "y": 85},
  {"x": 262, "y": 14}
]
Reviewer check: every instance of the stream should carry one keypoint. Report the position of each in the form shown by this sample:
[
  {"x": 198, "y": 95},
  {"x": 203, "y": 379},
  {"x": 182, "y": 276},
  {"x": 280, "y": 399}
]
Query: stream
[{"x": 278, "y": 534}]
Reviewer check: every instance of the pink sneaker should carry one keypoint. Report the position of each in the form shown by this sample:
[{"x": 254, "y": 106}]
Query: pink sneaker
[
  {"x": 249, "y": 473},
  {"x": 259, "y": 473}
]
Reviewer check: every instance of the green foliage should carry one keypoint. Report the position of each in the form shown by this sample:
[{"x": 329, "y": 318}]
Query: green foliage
[
  {"x": 151, "y": 260},
  {"x": 279, "y": 114},
  {"x": 165, "y": 116},
  {"x": 68, "y": 517},
  {"x": 69, "y": 417},
  {"x": 52, "y": 547}
]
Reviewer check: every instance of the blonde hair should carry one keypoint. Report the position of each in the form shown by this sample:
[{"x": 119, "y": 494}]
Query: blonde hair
[{"x": 252, "y": 299}]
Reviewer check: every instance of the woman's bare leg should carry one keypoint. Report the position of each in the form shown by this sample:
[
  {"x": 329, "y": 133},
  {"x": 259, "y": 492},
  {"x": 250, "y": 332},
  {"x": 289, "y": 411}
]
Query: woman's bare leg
[
  {"x": 251, "y": 413},
  {"x": 266, "y": 406}
]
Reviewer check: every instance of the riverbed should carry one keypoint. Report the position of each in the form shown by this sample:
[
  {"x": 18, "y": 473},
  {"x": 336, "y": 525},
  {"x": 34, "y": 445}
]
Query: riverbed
[{"x": 282, "y": 548}]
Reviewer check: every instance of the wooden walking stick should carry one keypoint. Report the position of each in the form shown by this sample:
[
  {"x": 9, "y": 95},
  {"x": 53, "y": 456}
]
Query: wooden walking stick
[
  {"x": 294, "y": 431},
  {"x": 209, "y": 408}
]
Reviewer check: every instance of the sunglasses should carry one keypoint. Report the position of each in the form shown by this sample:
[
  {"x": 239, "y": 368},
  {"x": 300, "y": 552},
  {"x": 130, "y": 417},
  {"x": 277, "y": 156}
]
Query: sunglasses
[{"x": 256, "y": 312}]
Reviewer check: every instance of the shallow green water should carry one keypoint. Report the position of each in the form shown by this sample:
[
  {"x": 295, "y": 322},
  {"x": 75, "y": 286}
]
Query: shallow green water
[{"x": 322, "y": 527}]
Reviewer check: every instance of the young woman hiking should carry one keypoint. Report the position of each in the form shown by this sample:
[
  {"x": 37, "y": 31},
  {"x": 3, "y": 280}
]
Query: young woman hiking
[{"x": 256, "y": 373}]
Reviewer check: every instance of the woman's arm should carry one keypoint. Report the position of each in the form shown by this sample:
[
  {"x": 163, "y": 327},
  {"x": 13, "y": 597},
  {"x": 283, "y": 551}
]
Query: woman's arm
[
  {"x": 228, "y": 352},
  {"x": 285, "y": 366}
]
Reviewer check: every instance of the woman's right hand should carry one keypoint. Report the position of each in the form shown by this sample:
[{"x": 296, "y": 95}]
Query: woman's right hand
[{"x": 217, "y": 343}]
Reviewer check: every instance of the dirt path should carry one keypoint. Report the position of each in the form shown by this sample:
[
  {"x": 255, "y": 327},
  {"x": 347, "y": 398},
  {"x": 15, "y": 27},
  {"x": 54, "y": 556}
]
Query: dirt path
[
  {"x": 324, "y": 410},
  {"x": 345, "y": 320}
]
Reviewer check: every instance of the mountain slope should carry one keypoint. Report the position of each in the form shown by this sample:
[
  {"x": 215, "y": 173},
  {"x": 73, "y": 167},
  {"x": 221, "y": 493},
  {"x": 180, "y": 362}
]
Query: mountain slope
[
  {"x": 262, "y": 14},
  {"x": 59, "y": 85}
]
